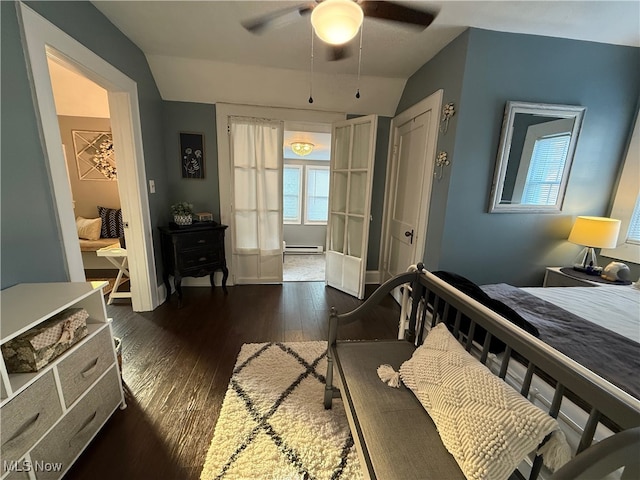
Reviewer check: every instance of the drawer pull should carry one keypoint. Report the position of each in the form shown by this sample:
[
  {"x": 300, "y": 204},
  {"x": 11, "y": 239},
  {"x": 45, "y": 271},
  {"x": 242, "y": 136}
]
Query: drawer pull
[
  {"x": 90, "y": 369},
  {"x": 202, "y": 259},
  {"x": 202, "y": 241},
  {"x": 85, "y": 425},
  {"x": 28, "y": 425}
]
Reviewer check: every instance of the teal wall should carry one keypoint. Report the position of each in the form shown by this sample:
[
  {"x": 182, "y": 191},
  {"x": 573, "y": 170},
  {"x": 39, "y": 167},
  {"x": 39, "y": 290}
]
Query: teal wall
[
  {"x": 377, "y": 193},
  {"x": 31, "y": 248},
  {"x": 445, "y": 71},
  {"x": 204, "y": 193},
  {"x": 30, "y": 241},
  {"x": 499, "y": 67}
]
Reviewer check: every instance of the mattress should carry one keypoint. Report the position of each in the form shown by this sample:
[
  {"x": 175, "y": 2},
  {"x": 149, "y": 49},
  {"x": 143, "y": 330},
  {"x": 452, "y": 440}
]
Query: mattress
[{"x": 616, "y": 308}]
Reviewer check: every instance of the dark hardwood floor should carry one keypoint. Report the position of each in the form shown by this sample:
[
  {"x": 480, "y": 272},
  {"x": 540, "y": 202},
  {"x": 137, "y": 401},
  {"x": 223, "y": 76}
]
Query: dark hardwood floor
[{"x": 177, "y": 364}]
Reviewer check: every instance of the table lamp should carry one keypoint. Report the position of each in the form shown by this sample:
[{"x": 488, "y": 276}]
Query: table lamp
[{"x": 593, "y": 232}]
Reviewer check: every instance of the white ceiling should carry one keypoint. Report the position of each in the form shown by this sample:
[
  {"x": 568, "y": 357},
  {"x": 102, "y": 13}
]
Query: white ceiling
[{"x": 198, "y": 51}]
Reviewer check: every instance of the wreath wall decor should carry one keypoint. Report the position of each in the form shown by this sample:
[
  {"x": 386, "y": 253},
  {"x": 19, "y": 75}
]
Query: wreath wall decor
[{"x": 94, "y": 155}]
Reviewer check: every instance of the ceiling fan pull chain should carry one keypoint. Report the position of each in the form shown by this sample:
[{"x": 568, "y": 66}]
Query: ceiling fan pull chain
[
  {"x": 311, "y": 76},
  {"x": 359, "y": 62}
]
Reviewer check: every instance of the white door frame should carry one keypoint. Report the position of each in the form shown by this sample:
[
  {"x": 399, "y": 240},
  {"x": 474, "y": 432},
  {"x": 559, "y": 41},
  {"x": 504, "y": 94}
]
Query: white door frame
[
  {"x": 432, "y": 102},
  {"x": 223, "y": 112},
  {"x": 44, "y": 39}
]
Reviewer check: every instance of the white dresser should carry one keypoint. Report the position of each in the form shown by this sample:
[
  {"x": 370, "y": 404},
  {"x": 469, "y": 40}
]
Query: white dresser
[{"x": 47, "y": 418}]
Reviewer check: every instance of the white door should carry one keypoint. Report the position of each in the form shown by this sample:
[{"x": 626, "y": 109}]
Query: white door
[
  {"x": 256, "y": 189},
  {"x": 409, "y": 178},
  {"x": 352, "y": 156}
]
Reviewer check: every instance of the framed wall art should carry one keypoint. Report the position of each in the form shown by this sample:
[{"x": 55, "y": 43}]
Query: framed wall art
[
  {"x": 94, "y": 155},
  {"x": 192, "y": 155}
]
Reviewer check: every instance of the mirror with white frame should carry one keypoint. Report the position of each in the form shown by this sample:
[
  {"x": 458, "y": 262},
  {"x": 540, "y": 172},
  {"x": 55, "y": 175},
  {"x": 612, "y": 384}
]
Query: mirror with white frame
[{"x": 534, "y": 159}]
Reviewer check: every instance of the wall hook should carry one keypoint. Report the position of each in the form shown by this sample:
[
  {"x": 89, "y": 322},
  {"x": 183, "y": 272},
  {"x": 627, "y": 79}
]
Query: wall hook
[
  {"x": 442, "y": 161},
  {"x": 448, "y": 111}
]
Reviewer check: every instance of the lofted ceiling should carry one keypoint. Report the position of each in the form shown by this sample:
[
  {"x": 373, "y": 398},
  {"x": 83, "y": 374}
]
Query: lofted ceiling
[{"x": 198, "y": 51}]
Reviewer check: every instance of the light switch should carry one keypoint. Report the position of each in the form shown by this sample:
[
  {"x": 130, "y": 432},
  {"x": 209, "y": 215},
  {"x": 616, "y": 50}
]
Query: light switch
[{"x": 152, "y": 186}]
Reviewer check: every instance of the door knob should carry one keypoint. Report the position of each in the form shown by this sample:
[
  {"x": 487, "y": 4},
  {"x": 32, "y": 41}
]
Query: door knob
[{"x": 410, "y": 235}]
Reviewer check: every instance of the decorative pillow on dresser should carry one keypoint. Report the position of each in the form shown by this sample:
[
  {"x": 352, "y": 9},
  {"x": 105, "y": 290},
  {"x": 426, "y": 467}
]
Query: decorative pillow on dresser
[
  {"x": 111, "y": 222},
  {"x": 89, "y": 228}
]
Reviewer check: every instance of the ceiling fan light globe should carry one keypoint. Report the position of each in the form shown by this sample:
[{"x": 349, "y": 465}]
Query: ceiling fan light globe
[{"x": 337, "y": 21}]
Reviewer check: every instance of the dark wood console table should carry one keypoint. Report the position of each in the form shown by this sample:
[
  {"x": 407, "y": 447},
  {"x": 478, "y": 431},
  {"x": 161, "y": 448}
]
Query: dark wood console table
[{"x": 193, "y": 251}]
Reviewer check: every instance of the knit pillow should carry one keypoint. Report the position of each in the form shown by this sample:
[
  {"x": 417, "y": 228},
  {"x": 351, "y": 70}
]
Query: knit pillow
[
  {"x": 88, "y": 228},
  {"x": 486, "y": 425},
  {"x": 111, "y": 222}
]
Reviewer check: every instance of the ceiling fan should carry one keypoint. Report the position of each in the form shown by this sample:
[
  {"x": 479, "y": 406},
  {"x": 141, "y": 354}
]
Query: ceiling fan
[{"x": 336, "y": 22}]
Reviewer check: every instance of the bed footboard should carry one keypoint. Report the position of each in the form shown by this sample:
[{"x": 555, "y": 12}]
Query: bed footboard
[{"x": 387, "y": 423}]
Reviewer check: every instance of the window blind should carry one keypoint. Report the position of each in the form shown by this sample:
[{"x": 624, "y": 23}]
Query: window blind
[
  {"x": 291, "y": 185},
  {"x": 633, "y": 235},
  {"x": 317, "y": 198},
  {"x": 546, "y": 169}
]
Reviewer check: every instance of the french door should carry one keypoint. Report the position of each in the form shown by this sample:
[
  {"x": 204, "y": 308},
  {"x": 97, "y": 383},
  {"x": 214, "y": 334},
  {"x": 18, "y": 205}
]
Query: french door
[
  {"x": 256, "y": 192},
  {"x": 352, "y": 157}
]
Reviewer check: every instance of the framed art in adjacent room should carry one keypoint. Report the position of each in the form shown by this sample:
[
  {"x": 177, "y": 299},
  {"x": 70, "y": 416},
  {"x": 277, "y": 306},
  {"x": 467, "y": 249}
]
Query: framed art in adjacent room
[{"x": 192, "y": 154}]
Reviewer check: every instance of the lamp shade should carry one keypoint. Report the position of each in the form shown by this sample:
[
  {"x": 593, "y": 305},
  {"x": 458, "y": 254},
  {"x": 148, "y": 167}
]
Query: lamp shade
[
  {"x": 336, "y": 21},
  {"x": 596, "y": 232}
]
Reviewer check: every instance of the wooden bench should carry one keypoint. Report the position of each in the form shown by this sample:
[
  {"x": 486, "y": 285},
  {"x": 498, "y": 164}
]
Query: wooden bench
[{"x": 394, "y": 435}]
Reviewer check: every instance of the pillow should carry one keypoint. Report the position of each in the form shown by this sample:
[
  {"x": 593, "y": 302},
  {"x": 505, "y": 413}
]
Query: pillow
[
  {"x": 485, "y": 424},
  {"x": 111, "y": 222},
  {"x": 474, "y": 291},
  {"x": 88, "y": 228}
]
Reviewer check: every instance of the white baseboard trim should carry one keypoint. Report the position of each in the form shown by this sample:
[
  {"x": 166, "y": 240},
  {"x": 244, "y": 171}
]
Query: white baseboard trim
[
  {"x": 162, "y": 293},
  {"x": 372, "y": 277},
  {"x": 199, "y": 281}
]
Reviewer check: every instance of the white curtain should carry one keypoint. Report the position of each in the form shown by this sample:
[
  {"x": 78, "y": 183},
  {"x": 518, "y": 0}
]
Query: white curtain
[{"x": 256, "y": 151}]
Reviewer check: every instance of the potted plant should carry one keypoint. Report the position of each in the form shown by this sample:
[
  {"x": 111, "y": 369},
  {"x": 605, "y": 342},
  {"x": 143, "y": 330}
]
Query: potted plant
[{"x": 182, "y": 213}]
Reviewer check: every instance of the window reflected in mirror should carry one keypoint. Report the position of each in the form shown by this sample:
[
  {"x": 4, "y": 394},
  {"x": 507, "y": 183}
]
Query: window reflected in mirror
[{"x": 535, "y": 156}]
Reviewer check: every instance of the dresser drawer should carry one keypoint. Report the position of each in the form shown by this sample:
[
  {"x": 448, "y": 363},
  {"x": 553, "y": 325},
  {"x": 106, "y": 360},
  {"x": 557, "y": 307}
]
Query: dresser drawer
[
  {"x": 197, "y": 259},
  {"x": 80, "y": 369},
  {"x": 25, "y": 418},
  {"x": 20, "y": 472},
  {"x": 71, "y": 435},
  {"x": 197, "y": 239}
]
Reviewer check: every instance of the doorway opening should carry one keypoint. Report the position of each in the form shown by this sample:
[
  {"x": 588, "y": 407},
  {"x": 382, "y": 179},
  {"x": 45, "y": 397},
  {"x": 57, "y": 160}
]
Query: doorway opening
[
  {"x": 305, "y": 180},
  {"x": 84, "y": 120}
]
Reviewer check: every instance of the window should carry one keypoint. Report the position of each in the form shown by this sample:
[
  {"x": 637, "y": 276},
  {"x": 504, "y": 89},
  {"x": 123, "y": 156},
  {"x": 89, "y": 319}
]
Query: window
[
  {"x": 291, "y": 187},
  {"x": 305, "y": 202},
  {"x": 626, "y": 205},
  {"x": 633, "y": 233},
  {"x": 317, "y": 195},
  {"x": 546, "y": 169}
]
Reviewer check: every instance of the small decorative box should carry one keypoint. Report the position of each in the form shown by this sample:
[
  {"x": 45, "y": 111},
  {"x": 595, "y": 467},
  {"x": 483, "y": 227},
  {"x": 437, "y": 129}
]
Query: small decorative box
[
  {"x": 204, "y": 217},
  {"x": 37, "y": 347}
]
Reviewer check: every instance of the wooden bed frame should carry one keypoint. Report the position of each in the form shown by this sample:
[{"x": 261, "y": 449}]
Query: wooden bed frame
[{"x": 396, "y": 438}]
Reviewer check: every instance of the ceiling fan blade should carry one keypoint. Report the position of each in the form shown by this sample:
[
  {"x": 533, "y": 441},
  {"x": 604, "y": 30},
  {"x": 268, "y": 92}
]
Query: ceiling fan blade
[
  {"x": 396, "y": 12},
  {"x": 276, "y": 19},
  {"x": 338, "y": 52}
]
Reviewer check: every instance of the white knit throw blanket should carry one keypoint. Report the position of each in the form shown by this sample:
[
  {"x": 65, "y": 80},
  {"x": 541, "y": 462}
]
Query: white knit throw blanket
[{"x": 485, "y": 424}]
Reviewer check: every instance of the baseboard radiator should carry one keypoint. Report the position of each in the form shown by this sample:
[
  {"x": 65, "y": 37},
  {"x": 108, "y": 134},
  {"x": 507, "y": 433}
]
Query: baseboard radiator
[{"x": 303, "y": 249}]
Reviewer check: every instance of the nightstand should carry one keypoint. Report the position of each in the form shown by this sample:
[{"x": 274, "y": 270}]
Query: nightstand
[
  {"x": 193, "y": 251},
  {"x": 554, "y": 277}
]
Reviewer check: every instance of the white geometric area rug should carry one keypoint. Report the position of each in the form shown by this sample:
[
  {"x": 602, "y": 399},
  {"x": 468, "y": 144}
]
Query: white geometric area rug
[{"x": 273, "y": 424}]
